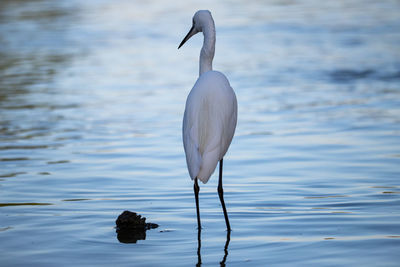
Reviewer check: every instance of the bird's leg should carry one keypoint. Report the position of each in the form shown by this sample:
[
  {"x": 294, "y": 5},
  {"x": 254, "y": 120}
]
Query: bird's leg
[
  {"x": 196, "y": 189},
  {"x": 221, "y": 196},
  {"x": 198, "y": 247}
]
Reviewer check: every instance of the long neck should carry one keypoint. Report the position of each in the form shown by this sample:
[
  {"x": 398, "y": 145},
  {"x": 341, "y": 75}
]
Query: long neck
[{"x": 208, "y": 49}]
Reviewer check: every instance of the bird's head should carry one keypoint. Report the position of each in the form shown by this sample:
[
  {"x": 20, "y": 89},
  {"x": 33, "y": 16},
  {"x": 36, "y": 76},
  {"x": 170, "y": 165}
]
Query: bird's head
[{"x": 200, "y": 19}]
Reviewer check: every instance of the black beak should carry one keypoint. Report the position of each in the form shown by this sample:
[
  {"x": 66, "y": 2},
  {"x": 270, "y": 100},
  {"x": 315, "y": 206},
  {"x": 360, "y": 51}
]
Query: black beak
[{"x": 188, "y": 35}]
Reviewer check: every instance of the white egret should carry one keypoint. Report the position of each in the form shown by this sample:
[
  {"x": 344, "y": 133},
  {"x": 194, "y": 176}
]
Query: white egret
[{"x": 210, "y": 115}]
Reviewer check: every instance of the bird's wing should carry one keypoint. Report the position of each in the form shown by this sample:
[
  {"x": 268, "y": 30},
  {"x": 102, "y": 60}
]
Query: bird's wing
[
  {"x": 209, "y": 124},
  {"x": 231, "y": 122},
  {"x": 191, "y": 144}
]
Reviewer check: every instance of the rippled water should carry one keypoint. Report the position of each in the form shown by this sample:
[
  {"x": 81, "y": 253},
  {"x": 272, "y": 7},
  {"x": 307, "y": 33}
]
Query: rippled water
[{"x": 91, "y": 103}]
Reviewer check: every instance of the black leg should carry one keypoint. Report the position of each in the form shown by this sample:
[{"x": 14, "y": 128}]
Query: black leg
[
  {"x": 221, "y": 196},
  {"x": 196, "y": 189},
  {"x": 198, "y": 247}
]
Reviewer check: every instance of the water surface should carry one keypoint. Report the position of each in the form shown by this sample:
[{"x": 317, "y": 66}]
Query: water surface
[{"x": 91, "y": 103}]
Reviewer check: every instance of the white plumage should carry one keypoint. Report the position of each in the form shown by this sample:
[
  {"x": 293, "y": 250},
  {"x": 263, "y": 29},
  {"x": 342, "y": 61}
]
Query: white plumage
[
  {"x": 210, "y": 115},
  {"x": 211, "y": 108},
  {"x": 208, "y": 124}
]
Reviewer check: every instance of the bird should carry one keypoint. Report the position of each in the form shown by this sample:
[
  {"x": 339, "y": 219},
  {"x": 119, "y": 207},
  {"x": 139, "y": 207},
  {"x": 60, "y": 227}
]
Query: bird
[{"x": 210, "y": 115}]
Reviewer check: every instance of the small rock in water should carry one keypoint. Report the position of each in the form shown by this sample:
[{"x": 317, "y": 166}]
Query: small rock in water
[
  {"x": 132, "y": 227},
  {"x": 130, "y": 220}
]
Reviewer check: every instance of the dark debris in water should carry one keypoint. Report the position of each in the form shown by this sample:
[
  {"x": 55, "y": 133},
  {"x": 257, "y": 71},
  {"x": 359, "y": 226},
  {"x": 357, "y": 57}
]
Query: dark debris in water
[{"x": 132, "y": 227}]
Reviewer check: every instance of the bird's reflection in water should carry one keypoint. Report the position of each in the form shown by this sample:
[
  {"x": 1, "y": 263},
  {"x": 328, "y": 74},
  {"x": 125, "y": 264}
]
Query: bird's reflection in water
[{"x": 228, "y": 239}]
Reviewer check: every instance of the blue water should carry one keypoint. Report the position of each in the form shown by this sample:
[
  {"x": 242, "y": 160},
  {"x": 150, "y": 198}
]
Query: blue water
[{"x": 91, "y": 104}]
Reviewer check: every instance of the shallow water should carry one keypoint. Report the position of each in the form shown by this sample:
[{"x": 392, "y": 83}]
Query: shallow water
[{"x": 91, "y": 103}]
